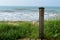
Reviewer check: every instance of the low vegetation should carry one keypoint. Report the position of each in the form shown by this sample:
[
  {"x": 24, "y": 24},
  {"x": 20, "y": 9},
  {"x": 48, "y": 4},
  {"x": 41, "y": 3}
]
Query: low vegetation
[
  {"x": 12, "y": 31},
  {"x": 52, "y": 29},
  {"x": 19, "y": 30}
]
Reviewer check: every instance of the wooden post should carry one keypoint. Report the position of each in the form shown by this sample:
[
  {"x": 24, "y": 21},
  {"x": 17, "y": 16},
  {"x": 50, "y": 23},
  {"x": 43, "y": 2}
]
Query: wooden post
[{"x": 41, "y": 23}]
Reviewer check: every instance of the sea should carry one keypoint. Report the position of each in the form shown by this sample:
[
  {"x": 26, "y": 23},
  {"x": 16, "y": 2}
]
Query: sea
[{"x": 24, "y": 13}]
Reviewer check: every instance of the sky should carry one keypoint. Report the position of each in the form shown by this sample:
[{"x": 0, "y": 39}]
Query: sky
[{"x": 29, "y": 2}]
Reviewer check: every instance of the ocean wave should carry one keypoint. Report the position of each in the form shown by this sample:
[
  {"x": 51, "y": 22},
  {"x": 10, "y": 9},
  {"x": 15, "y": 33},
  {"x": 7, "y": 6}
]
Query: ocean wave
[
  {"x": 7, "y": 11},
  {"x": 19, "y": 16},
  {"x": 52, "y": 11},
  {"x": 26, "y": 14},
  {"x": 19, "y": 10},
  {"x": 23, "y": 16}
]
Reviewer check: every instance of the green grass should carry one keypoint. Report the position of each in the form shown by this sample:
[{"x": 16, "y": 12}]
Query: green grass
[
  {"x": 18, "y": 30},
  {"x": 52, "y": 29},
  {"x": 12, "y": 31}
]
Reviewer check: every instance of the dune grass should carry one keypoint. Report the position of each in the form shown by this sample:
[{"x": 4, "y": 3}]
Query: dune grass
[
  {"x": 12, "y": 31},
  {"x": 19, "y": 29},
  {"x": 52, "y": 29}
]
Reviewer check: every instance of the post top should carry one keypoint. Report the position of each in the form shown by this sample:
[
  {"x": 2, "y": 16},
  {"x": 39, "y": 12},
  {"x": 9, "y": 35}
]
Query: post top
[{"x": 41, "y": 7}]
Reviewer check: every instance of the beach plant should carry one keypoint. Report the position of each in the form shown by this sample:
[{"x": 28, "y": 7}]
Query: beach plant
[
  {"x": 28, "y": 30},
  {"x": 52, "y": 29},
  {"x": 14, "y": 32}
]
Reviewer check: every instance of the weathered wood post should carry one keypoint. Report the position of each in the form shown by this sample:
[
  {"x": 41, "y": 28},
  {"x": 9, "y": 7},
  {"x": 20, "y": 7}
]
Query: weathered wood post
[{"x": 41, "y": 23}]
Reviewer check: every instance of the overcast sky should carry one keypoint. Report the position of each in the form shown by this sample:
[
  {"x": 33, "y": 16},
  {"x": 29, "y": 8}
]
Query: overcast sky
[{"x": 29, "y": 2}]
